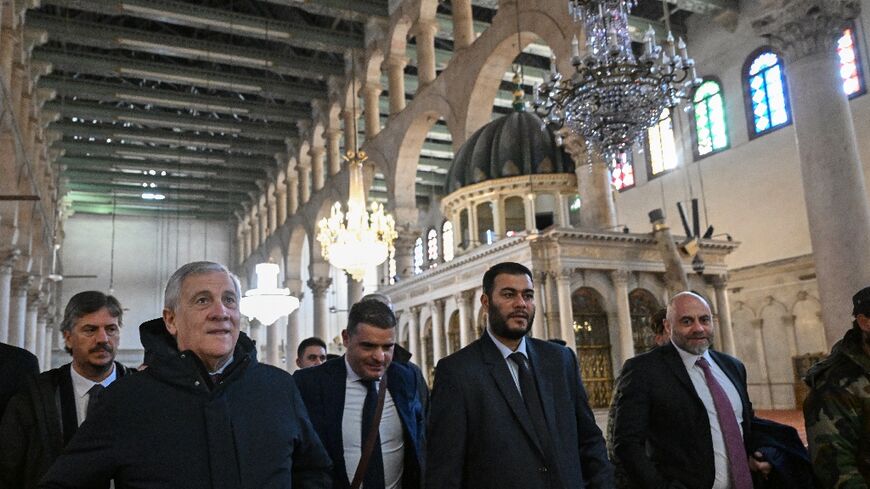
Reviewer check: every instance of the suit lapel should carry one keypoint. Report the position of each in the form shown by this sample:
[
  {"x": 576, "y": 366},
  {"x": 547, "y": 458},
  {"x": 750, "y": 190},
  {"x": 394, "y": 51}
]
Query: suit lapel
[
  {"x": 68, "y": 415},
  {"x": 545, "y": 386},
  {"x": 678, "y": 368},
  {"x": 505, "y": 383},
  {"x": 333, "y": 396}
]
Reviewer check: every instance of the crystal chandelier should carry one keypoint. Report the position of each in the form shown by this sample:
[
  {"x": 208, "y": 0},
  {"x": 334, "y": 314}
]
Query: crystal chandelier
[
  {"x": 359, "y": 239},
  {"x": 614, "y": 96},
  {"x": 266, "y": 303}
]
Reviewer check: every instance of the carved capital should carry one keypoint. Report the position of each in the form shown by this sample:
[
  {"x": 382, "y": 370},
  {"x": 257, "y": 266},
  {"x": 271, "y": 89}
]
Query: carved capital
[
  {"x": 463, "y": 298},
  {"x": 319, "y": 285},
  {"x": 800, "y": 28},
  {"x": 619, "y": 277},
  {"x": 720, "y": 281},
  {"x": 21, "y": 282},
  {"x": 7, "y": 262}
]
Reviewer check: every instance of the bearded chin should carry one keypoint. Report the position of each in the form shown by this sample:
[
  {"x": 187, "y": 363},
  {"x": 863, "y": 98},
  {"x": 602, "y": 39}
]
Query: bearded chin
[{"x": 499, "y": 326}]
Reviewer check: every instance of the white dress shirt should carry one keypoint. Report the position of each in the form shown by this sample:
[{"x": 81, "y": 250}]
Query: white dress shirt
[
  {"x": 505, "y": 352},
  {"x": 81, "y": 386},
  {"x": 392, "y": 438},
  {"x": 696, "y": 374}
]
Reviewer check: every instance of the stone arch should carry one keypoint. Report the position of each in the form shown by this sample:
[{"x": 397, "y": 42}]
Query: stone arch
[
  {"x": 397, "y": 39},
  {"x": 747, "y": 342},
  {"x": 404, "y": 173},
  {"x": 809, "y": 330},
  {"x": 294, "y": 252}
]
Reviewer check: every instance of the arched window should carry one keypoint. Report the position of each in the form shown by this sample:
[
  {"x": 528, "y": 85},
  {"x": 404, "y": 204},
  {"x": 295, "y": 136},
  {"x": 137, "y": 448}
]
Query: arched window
[
  {"x": 766, "y": 90},
  {"x": 711, "y": 130},
  {"x": 850, "y": 66},
  {"x": 432, "y": 247},
  {"x": 418, "y": 256},
  {"x": 661, "y": 147},
  {"x": 622, "y": 172},
  {"x": 447, "y": 240}
]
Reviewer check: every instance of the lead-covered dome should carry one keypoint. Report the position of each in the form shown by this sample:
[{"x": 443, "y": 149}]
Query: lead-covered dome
[{"x": 513, "y": 145}]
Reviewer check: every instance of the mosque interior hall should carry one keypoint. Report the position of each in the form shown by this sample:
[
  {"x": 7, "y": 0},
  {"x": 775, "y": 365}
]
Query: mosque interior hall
[{"x": 139, "y": 135}]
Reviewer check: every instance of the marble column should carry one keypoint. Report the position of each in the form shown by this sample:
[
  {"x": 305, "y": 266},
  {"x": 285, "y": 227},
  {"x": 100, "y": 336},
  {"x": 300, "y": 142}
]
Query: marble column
[
  {"x": 463, "y": 300},
  {"x": 49, "y": 339},
  {"x": 294, "y": 336},
  {"x": 255, "y": 230},
  {"x": 354, "y": 290},
  {"x": 805, "y": 32},
  {"x": 317, "y": 173},
  {"x": 371, "y": 99},
  {"x": 273, "y": 341},
  {"x": 623, "y": 315},
  {"x": 498, "y": 219},
  {"x": 437, "y": 310},
  {"x": 463, "y": 24},
  {"x": 281, "y": 203},
  {"x": 333, "y": 150},
  {"x": 531, "y": 225},
  {"x": 304, "y": 182},
  {"x": 350, "y": 130},
  {"x": 396, "y": 77},
  {"x": 554, "y": 326},
  {"x": 539, "y": 327},
  {"x": 414, "y": 336},
  {"x": 41, "y": 337},
  {"x": 319, "y": 286},
  {"x": 31, "y": 322},
  {"x": 563, "y": 217},
  {"x": 726, "y": 328},
  {"x": 264, "y": 221},
  {"x": 292, "y": 194},
  {"x": 597, "y": 209},
  {"x": 18, "y": 309},
  {"x": 566, "y": 315},
  {"x": 6, "y": 266},
  {"x": 404, "y": 246},
  {"x": 425, "y": 42}
]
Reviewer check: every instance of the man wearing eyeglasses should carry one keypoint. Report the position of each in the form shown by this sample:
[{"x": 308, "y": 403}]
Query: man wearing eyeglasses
[{"x": 42, "y": 418}]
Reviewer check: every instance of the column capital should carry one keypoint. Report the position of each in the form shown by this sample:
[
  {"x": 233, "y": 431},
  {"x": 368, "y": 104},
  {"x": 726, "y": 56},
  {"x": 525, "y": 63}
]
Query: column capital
[
  {"x": 463, "y": 298},
  {"x": 316, "y": 151},
  {"x": 295, "y": 286},
  {"x": 7, "y": 261},
  {"x": 319, "y": 285},
  {"x": 415, "y": 311},
  {"x": 332, "y": 133},
  {"x": 426, "y": 26},
  {"x": 396, "y": 62},
  {"x": 436, "y": 304},
  {"x": 720, "y": 281},
  {"x": 22, "y": 281},
  {"x": 619, "y": 277},
  {"x": 800, "y": 28},
  {"x": 373, "y": 88}
]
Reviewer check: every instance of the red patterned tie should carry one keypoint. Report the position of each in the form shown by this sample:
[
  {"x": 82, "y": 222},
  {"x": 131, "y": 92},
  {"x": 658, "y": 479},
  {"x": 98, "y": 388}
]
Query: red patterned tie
[{"x": 737, "y": 461}]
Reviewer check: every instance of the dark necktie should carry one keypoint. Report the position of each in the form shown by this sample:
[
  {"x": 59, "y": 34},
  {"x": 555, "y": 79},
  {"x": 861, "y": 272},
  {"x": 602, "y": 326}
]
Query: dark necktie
[
  {"x": 532, "y": 399},
  {"x": 737, "y": 462},
  {"x": 93, "y": 399},
  {"x": 374, "y": 477}
]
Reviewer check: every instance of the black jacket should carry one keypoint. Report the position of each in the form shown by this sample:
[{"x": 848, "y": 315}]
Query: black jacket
[
  {"x": 39, "y": 421},
  {"x": 167, "y": 428},
  {"x": 16, "y": 364}
]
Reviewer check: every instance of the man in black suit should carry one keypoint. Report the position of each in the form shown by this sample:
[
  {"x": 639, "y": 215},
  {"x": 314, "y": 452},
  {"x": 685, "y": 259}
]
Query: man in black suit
[
  {"x": 682, "y": 409},
  {"x": 16, "y": 365},
  {"x": 42, "y": 418},
  {"x": 341, "y": 396},
  {"x": 509, "y": 411}
]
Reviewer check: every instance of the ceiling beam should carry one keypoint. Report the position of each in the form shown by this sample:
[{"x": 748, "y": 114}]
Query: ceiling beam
[
  {"x": 133, "y": 191},
  {"x": 138, "y": 152},
  {"x": 125, "y": 92},
  {"x": 356, "y": 10},
  {"x": 121, "y": 66},
  {"x": 222, "y": 20},
  {"x": 107, "y": 164},
  {"x": 102, "y": 198},
  {"x": 100, "y": 35},
  {"x": 149, "y": 210},
  {"x": 165, "y": 185}
]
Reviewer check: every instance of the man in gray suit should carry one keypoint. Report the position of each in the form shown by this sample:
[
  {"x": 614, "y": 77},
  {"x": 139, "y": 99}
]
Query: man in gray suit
[{"x": 509, "y": 411}]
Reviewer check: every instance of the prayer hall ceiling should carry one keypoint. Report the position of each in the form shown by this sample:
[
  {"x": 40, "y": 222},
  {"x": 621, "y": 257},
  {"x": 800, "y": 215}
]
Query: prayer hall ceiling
[{"x": 199, "y": 100}]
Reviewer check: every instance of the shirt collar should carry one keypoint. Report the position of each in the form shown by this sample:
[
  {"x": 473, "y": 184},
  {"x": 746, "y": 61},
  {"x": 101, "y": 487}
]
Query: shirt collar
[
  {"x": 504, "y": 350},
  {"x": 223, "y": 367},
  {"x": 689, "y": 359},
  {"x": 81, "y": 384},
  {"x": 351, "y": 375}
]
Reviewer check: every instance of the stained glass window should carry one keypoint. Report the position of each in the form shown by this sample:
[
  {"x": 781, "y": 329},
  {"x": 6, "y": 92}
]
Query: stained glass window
[
  {"x": 767, "y": 93},
  {"x": 850, "y": 70},
  {"x": 622, "y": 172},
  {"x": 418, "y": 256},
  {"x": 662, "y": 151},
  {"x": 447, "y": 240},
  {"x": 711, "y": 130},
  {"x": 432, "y": 247}
]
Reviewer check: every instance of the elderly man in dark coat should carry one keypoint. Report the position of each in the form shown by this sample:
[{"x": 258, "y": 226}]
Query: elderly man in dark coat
[{"x": 204, "y": 414}]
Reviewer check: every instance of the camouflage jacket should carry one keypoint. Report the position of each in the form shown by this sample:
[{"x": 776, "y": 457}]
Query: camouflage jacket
[{"x": 837, "y": 414}]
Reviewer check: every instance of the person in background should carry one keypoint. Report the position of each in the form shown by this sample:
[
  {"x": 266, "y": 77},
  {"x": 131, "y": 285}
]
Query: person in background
[{"x": 311, "y": 352}]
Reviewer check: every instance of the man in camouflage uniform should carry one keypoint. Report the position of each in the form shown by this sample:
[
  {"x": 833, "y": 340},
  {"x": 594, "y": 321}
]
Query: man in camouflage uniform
[{"x": 837, "y": 410}]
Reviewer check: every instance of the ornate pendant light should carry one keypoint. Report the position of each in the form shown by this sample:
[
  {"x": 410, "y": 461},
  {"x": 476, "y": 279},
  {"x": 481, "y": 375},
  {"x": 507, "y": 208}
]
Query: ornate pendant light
[
  {"x": 359, "y": 239},
  {"x": 266, "y": 303},
  {"x": 613, "y": 97}
]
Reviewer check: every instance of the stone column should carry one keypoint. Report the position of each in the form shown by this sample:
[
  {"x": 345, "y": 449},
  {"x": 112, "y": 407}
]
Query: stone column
[
  {"x": 414, "y": 336},
  {"x": 31, "y": 322},
  {"x": 292, "y": 194},
  {"x": 49, "y": 339},
  {"x": 539, "y": 327},
  {"x": 531, "y": 225},
  {"x": 281, "y": 203},
  {"x": 563, "y": 217},
  {"x": 463, "y": 24},
  {"x": 834, "y": 187},
  {"x": 597, "y": 209},
  {"x": 371, "y": 97},
  {"x": 474, "y": 233},
  {"x": 294, "y": 336},
  {"x": 437, "y": 310},
  {"x": 271, "y": 212},
  {"x": 255, "y": 230},
  {"x": 317, "y": 173},
  {"x": 41, "y": 336},
  {"x": 350, "y": 130},
  {"x": 566, "y": 315},
  {"x": 6, "y": 266},
  {"x": 404, "y": 246},
  {"x": 354, "y": 290},
  {"x": 396, "y": 76},
  {"x": 724, "y": 309},
  {"x": 319, "y": 286},
  {"x": 498, "y": 219},
  {"x": 425, "y": 41},
  {"x": 623, "y": 315},
  {"x": 18, "y": 309},
  {"x": 333, "y": 150},
  {"x": 304, "y": 182},
  {"x": 463, "y": 300},
  {"x": 554, "y": 326},
  {"x": 273, "y": 341},
  {"x": 265, "y": 231}
]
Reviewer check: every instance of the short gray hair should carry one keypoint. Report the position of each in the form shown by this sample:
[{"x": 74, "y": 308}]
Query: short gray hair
[{"x": 173, "y": 287}]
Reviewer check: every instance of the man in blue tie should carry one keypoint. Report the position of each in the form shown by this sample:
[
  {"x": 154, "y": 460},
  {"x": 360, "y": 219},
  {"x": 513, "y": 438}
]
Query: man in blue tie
[
  {"x": 682, "y": 409},
  {"x": 342, "y": 398}
]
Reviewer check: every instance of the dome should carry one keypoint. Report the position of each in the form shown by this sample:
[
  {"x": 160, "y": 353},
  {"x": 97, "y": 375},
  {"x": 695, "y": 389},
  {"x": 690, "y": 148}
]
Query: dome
[{"x": 514, "y": 145}]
